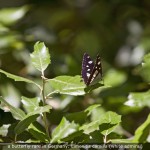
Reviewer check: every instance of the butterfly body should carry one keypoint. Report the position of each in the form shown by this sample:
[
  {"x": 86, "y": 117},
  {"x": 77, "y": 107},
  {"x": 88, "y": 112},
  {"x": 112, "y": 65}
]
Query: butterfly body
[{"x": 91, "y": 73}]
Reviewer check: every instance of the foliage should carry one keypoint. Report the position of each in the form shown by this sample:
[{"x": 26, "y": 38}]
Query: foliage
[
  {"x": 105, "y": 124},
  {"x": 56, "y": 106}
]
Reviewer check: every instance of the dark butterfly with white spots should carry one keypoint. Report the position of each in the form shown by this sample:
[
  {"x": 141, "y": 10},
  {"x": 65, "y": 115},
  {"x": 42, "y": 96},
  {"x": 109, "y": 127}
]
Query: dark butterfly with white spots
[{"x": 91, "y": 73}]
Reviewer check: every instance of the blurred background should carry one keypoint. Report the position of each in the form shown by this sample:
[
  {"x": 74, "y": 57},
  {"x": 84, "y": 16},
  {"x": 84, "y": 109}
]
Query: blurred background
[{"x": 118, "y": 30}]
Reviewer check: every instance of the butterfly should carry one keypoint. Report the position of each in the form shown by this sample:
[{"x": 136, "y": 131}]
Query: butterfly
[{"x": 91, "y": 73}]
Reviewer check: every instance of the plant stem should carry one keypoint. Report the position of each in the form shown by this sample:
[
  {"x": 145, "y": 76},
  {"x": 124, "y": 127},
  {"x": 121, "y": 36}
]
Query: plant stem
[
  {"x": 44, "y": 103},
  {"x": 15, "y": 138},
  {"x": 105, "y": 137}
]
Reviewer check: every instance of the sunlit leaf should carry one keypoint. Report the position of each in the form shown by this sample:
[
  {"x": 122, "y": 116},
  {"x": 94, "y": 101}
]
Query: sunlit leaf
[
  {"x": 111, "y": 117},
  {"x": 40, "y": 110},
  {"x": 67, "y": 85},
  {"x": 16, "y": 112},
  {"x": 90, "y": 127},
  {"x": 18, "y": 78},
  {"x": 91, "y": 108},
  {"x": 10, "y": 16},
  {"x": 30, "y": 104},
  {"x": 111, "y": 120},
  {"x": 40, "y": 57},
  {"x": 112, "y": 74},
  {"x": 71, "y": 85},
  {"x": 97, "y": 113},
  {"x": 121, "y": 141},
  {"x": 138, "y": 99},
  {"x": 10, "y": 92},
  {"x": 4, "y": 129},
  {"x": 142, "y": 132},
  {"x": 106, "y": 123},
  {"x": 64, "y": 129}
]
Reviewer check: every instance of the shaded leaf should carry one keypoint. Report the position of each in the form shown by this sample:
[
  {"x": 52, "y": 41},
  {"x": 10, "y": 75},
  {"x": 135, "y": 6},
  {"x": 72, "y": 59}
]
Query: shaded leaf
[
  {"x": 30, "y": 104},
  {"x": 73, "y": 136},
  {"x": 31, "y": 117},
  {"x": 18, "y": 78},
  {"x": 141, "y": 134},
  {"x": 22, "y": 125},
  {"x": 40, "y": 57},
  {"x": 38, "y": 132},
  {"x": 64, "y": 129},
  {"x": 16, "y": 112},
  {"x": 77, "y": 117},
  {"x": 80, "y": 117},
  {"x": 138, "y": 99}
]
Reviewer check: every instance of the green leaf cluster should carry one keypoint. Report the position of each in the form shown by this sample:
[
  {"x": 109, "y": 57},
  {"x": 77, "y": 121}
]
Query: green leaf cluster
[{"x": 92, "y": 124}]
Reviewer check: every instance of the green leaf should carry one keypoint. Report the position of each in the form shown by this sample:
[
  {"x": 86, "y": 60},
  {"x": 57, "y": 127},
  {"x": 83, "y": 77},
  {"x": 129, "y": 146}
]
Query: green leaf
[
  {"x": 31, "y": 117},
  {"x": 12, "y": 15},
  {"x": 18, "y": 78},
  {"x": 141, "y": 134},
  {"x": 73, "y": 136},
  {"x": 64, "y": 129},
  {"x": 121, "y": 141},
  {"x": 112, "y": 74},
  {"x": 38, "y": 132},
  {"x": 145, "y": 69},
  {"x": 80, "y": 117},
  {"x": 4, "y": 129},
  {"x": 40, "y": 110},
  {"x": 90, "y": 127},
  {"x": 111, "y": 117},
  {"x": 40, "y": 57},
  {"x": 91, "y": 108},
  {"x": 30, "y": 104},
  {"x": 77, "y": 117},
  {"x": 9, "y": 92},
  {"x": 110, "y": 121},
  {"x": 67, "y": 85},
  {"x": 16, "y": 112},
  {"x": 138, "y": 99},
  {"x": 22, "y": 125},
  {"x": 106, "y": 124},
  {"x": 71, "y": 85}
]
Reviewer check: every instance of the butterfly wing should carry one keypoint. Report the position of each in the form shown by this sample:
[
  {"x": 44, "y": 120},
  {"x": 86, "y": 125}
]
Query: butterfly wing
[
  {"x": 96, "y": 73},
  {"x": 87, "y": 67}
]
